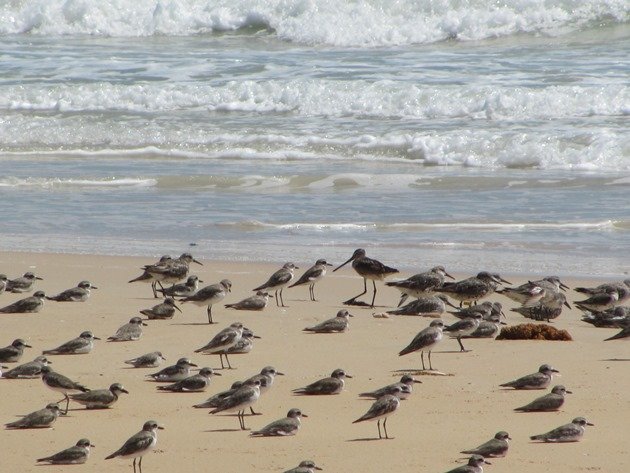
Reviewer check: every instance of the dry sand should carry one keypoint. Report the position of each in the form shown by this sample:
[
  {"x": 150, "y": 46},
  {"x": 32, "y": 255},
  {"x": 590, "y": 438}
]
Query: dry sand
[{"x": 445, "y": 414}]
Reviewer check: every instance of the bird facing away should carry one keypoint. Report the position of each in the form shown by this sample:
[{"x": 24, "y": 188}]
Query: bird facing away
[
  {"x": 29, "y": 370},
  {"x": 225, "y": 339},
  {"x": 337, "y": 324},
  {"x": 60, "y": 383},
  {"x": 176, "y": 372},
  {"x": 37, "y": 420},
  {"x": 77, "y": 346},
  {"x": 193, "y": 384},
  {"x": 311, "y": 276},
  {"x": 210, "y": 295},
  {"x": 495, "y": 447},
  {"x": 407, "y": 380},
  {"x": 80, "y": 293},
  {"x": 549, "y": 402},
  {"x": 13, "y": 352},
  {"x": 22, "y": 284},
  {"x": 100, "y": 398},
  {"x": 148, "y": 360},
  {"x": 27, "y": 305},
  {"x": 277, "y": 281},
  {"x": 163, "y": 311},
  {"x": 334, "y": 384},
  {"x": 255, "y": 302},
  {"x": 475, "y": 465},
  {"x": 306, "y": 466},
  {"x": 382, "y": 408},
  {"x": 75, "y": 455},
  {"x": 239, "y": 400},
  {"x": 282, "y": 427},
  {"x": 131, "y": 331},
  {"x": 139, "y": 444},
  {"x": 421, "y": 284},
  {"x": 426, "y": 340},
  {"x": 565, "y": 433},
  {"x": 184, "y": 289},
  {"x": 367, "y": 268},
  {"x": 538, "y": 380}
]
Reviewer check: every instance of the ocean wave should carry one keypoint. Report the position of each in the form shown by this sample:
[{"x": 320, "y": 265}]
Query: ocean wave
[
  {"x": 14, "y": 182},
  {"x": 363, "y": 23}
]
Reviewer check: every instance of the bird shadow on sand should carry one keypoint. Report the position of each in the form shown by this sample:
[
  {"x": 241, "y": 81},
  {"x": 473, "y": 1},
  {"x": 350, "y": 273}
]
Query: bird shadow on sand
[
  {"x": 195, "y": 323},
  {"x": 420, "y": 372},
  {"x": 367, "y": 439},
  {"x": 617, "y": 359},
  {"x": 213, "y": 431}
]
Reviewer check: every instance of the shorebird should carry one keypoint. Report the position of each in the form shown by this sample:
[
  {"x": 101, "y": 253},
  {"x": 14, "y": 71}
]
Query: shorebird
[
  {"x": 13, "y": 352},
  {"x": 162, "y": 311},
  {"x": 176, "y": 372},
  {"x": 75, "y": 455},
  {"x": 22, "y": 284},
  {"x": 565, "y": 433},
  {"x": 27, "y": 305},
  {"x": 337, "y": 324},
  {"x": 81, "y": 293},
  {"x": 367, "y": 268},
  {"x": 487, "y": 328},
  {"x": 149, "y": 277},
  {"x": 484, "y": 310},
  {"x": 167, "y": 271},
  {"x": 266, "y": 377},
  {"x": 547, "y": 309},
  {"x": 532, "y": 291},
  {"x": 139, "y": 444},
  {"x": 306, "y": 466},
  {"x": 622, "y": 288},
  {"x": 420, "y": 284},
  {"x": 40, "y": 419},
  {"x": 244, "y": 345},
  {"x": 239, "y": 400},
  {"x": 407, "y": 380},
  {"x": 185, "y": 289},
  {"x": 100, "y": 398},
  {"x": 32, "y": 369},
  {"x": 77, "y": 346},
  {"x": 256, "y": 302},
  {"x": 210, "y": 295},
  {"x": 149, "y": 360},
  {"x": 193, "y": 384},
  {"x": 332, "y": 385},
  {"x": 475, "y": 465},
  {"x": 277, "y": 281},
  {"x": 215, "y": 400},
  {"x": 428, "y": 306},
  {"x": 463, "y": 328},
  {"x": 282, "y": 427},
  {"x": 60, "y": 383},
  {"x": 549, "y": 402},
  {"x": 617, "y": 317},
  {"x": 600, "y": 301},
  {"x": 472, "y": 289},
  {"x": 311, "y": 276},
  {"x": 538, "y": 380},
  {"x": 3, "y": 282},
  {"x": 425, "y": 341},
  {"x": 495, "y": 447},
  {"x": 131, "y": 331},
  {"x": 225, "y": 339},
  {"x": 382, "y": 408},
  {"x": 623, "y": 335}
]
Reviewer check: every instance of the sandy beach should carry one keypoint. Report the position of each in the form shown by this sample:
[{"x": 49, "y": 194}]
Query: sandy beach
[{"x": 444, "y": 415}]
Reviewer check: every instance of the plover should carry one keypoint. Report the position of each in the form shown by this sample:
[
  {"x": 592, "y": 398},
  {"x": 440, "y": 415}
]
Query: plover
[
  {"x": 487, "y": 328},
  {"x": 256, "y": 302},
  {"x": 305, "y": 466},
  {"x": 622, "y": 287},
  {"x": 31, "y": 304},
  {"x": 538, "y": 380},
  {"x": 210, "y": 295},
  {"x": 162, "y": 311},
  {"x": 549, "y": 402},
  {"x": 472, "y": 289},
  {"x": 426, "y": 340},
  {"x": 32, "y": 369},
  {"x": 407, "y": 380},
  {"x": 427, "y": 306},
  {"x": 176, "y": 372},
  {"x": 600, "y": 301},
  {"x": 475, "y": 465},
  {"x": 420, "y": 284},
  {"x": 139, "y": 444},
  {"x": 367, "y": 268},
  {"x": 311, "y": 276},
  {"x": 266, "y": 377},
  {"x": 335, "y": 325},
  {"x": 24, "y": 283},
  {"x": 223, "y": 340},
  {"x": 382, "y": 408},
  {"x": 131, "y": 331},
  {"x": 80, "y": 293},
  {"x": 532, "y": 291},
  {"x": 40, "y": 419},
  {"x": 244, "y": 345},
  {"x": 148, "y": 360},
  {"x": 149, "y": 277},
  {"x": 60, "y": 383},
  {"x": 282, "y": 427},
  {"x": 77, "y": 346},
  {"x": 75, "y": 455},
  {"x": 239, "y": 400},
  {"x": 462, "y": 328},
  {"x": 484, "y": 309},
  {"x": 13, "y": 352},
  {"x": 565, "y": 433},
  {"x": 185, "y": 289},
  {"x": 277, "y": 282},
  {"x": 100, "y": 398},
  {"x": 215, "y": 400},
  {"x": 495, "y": 447},
  {"x": 193, "y": 384},
  {"x": 334, "y": 384},
  {"x": 547, "y": 309}
]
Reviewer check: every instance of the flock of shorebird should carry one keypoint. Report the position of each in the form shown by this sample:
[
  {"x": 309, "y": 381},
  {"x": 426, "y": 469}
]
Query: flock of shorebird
[{"x": 540, "y": 300}]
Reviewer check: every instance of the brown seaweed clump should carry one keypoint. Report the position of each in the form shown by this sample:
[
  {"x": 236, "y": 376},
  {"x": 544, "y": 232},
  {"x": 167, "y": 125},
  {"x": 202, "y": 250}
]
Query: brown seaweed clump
[{"x": 533, "y": 332}]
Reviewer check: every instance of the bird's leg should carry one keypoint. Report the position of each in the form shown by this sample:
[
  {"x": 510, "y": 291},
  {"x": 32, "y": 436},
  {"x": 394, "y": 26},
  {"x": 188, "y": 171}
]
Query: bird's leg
[
  {"x": 281, "y": 299},
  {"x": 311, "y": 291},
  {"x": 422, "y": 358},
  {"x": 154, "y": 288},
  {"x": 352, "y": 299},
  {"x": 210, "y": 314},
  {"x": 378, "y": 424},
  {"x": 134, "y": 465},
  {"x": 140, "y": 465},
  {"x": 385, "y": 427},
  {"x": 461, "y": 345},
  {"x": 228, "y": 362},
  {"x": 254, "y": 413},
  {"x": 67, "y": 404},
  {"x": 373, "y": 296},
  {"x": 430, "y": 367},
  {"x": 221, "y": 358},
  {"x": 277, "y": 301}
]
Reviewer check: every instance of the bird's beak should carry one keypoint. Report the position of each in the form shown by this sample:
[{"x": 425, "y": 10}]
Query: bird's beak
[
  {"x": 124, "y": 391},
  {"x": 555, "y": 371},
  {"x": 160, "y": 427},
  {"x": 192, "y": 364},
  {"x": 449, "y": 303},
  {"x": 199, "y": 280},
  {"x": 304, "y": 415},
  {"x": 486, "y": 461},
  {"x": 256, "y": 336},
  {"x": 348, "y": 376},
  {"x": 279, "y": 373},
  {"x": 217, "y": 374},
  {"x": 40, "y": 279},
  {"x": 417, "y": 381},
  {"x": 28, "y": 346},
  {"x": 146, "y": 325},
  {"x": 588, "y": 423},
  {"x": 504, "y": 280},
  {"x": 503, "y": 323},
  {"x": 180, "y": 310},
  {"x": 567, "y": 304},
  {"x": 449, "y": 276},
  {"x": 93, "y": 287},
  {"x": 350, "y": 315},
  {"x": 96, "y": 338},
  {"x": 568, "y": 392},
  {"x": 199, "y": 263},
  {"x": 341, "y": 265},
  {"x": 92, "y": 445},
  {"x": 317, "y": 468},
  {"x": 564, "y": 287}
]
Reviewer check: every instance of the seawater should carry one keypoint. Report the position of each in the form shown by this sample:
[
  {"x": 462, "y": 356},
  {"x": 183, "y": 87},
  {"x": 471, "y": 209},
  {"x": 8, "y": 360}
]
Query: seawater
[{"x": 473, "y": 134}]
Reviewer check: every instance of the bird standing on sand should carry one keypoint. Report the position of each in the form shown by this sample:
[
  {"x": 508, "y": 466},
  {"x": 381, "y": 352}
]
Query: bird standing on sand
[
  {"x": 381, "y": 409},
  {"x": 239, "y": 400},
  {"x": 131, "y": 331},
  {"x": 139, "y": 444},
  {"x": 75, "y": 455},
  {"x": 60, "y": 383},
  {"x": 210, "y": 295},
  {"x": 334, "y": 384},
  {"x": 538, "y": 380},
  {"x": 193, "y": 384},
  {"x": 407, "y": 380},
  {"x": 565, "y": 433},
  {"x": 225, "y": 339},
  {"x": 282, "y": 427},
  {"x": 162, "y": 311},
  {"x": 255, "y": 302},
  {"x": 367, "y": 268},
  {"x": 547, "y": 403},
  {"x": 277, "y": 281},
  {"x": 475, "y": 465},
  {"x": 100, "y": 398},
  {"x": 495, "y": 447},
  {"x": 426, "y": 340},
  {"x": 337, "y": 324},
  {"x": 311, "y": 276},
  {"x": 472, "y": 289},
  {"x": 13, "y": 352},
  {"x": 81, "y": 345},
  {"x": 22, "y": 284},
  {"x": 421, "y": 284},
  {"x": 27, "y": 305},
  {"x": 80, "y": 293},
  {"x": 40, "y": 419},
  {"x": 462, "y": 328}
]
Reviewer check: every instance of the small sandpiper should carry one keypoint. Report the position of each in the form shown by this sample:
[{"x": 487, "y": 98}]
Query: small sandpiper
[
  {"x": 81, "y": 345},
  {"x": 565, "y": 433},
  {"x": 305, "y": 466},
  {"x": 495, "y": 447},
  {"x": 31, "y": 304},
  {"x": 426, "y": 306},
  {"x": 277, "y": 281},
  {"x": 539, "y": 380},
  {"x": 193, "y": 384},
  {"x": 311, "y": 276},
  {"x": 176, "y": 372},
  {"x": 226, "y": 338},
  {"x": 382, "y": 408},
  {"x": 30, "y": 370},
  {"x": 148, "y": 360},
  {"x": 163, "y": 311},
  {"x": 100, "y": 398},
  {"x": 185, "y": 289},
  {"x": 421, "y": 284},
  {"x": 256, "y": 302},
  {"x": 139, "y": 444},
  {"x": 426, "y": 340},
  {"x": 239, "y": 400},
  {"x": 407, "y": 380},
  {"x": 472, "y": 289},
  {"x": 75, "y": 455},
  {"x": 475, "y": 465},
  {"x": 131, "y": 331},
  {"x": 334, "y": 384},
  {"x": 13, "y": 352},
  {"x": 40, "y": 419},
  {"x": 60, "y": 383},
  {"x": 547, "y": 403},
  {"x": 24, "y": 283},
  {"x": 463, "y": 328},
  {"x": 80, "y": 293},
  {"x": 282, "y": 427},
  {"x": 210, "y": 295},
  {"x": 337, "y": 324}
]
